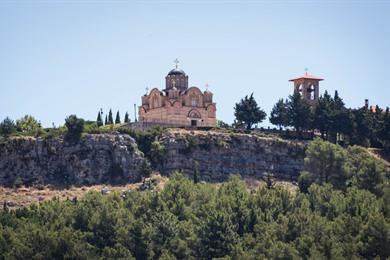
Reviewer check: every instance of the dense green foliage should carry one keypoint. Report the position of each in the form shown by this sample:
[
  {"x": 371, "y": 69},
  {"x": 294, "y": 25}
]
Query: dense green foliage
[
  {"x": 28, "y": 124},
  {"x": 248, "y": 112},
  {"x": 117, "y": 118},
  {"x": 203, "y": 221},
  {"x": 99, "y": 120},
  {"x": 279, "y": 114},
  {"x": 110, "y": 118},
  {"x": 127, "y": 119},
  {"x": 329, "y": 163},
  {"x": 147, "y": 141},
  {"x": 335, "y": 122},
  {"x": 75, "y": 127},
  {"x": 7, "y": 127}
]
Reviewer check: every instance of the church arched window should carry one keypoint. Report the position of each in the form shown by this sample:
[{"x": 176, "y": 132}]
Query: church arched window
[
  {"x": 194, "y": 114},
  {"x": 155, "y": 102},
  {"x": 311, "y": 91},
  {"x": 194, "y": 99}
]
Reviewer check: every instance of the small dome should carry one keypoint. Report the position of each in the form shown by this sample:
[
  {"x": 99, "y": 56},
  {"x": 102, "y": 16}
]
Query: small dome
[{"x": 177, "y": 71}]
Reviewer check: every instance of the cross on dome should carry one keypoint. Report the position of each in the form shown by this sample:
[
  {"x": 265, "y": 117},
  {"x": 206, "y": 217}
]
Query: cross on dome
[{"x": 177, "y": 62}]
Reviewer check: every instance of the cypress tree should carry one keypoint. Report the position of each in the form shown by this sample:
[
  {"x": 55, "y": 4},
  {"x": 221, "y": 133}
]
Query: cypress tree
[
  {"x": 117, "y": 118},
  {"x": 127, "y": 119},
  {"x": 110, "y": 119},
  {"x": 99, "y": 120}
]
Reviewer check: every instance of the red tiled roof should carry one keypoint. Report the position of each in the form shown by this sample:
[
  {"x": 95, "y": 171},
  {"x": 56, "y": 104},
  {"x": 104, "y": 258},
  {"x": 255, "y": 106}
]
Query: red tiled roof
[{"x": 307, "y": 76}]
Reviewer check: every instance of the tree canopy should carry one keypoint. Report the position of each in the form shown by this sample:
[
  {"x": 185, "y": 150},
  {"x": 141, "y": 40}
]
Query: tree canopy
[{"x": 248, "y": 112}]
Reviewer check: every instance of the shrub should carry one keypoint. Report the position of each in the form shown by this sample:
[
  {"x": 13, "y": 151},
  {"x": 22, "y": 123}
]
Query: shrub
[
  {"x": 28, "y": 124},
  {"x": 7, "y": 127},
  {"x": 75, "y": 127},
  {"x": 157, "y": 151},
  {"x": 18, "y": 182}
]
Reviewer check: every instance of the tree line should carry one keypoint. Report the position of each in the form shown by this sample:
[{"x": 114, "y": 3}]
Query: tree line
[
  {"x": 109, "y": 120},
  {"x": 328, "y": 115}
]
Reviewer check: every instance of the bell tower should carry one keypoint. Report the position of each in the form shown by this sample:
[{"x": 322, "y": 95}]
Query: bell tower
[{"x": 308, "y": 86}]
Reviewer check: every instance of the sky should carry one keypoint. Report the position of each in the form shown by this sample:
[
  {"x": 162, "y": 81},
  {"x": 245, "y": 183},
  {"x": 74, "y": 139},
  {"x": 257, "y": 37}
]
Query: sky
[{"x": 74, "y": 57}]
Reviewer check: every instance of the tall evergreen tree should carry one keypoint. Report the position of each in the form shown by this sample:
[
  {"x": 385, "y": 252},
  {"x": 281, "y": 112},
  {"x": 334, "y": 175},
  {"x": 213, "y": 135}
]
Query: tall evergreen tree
[
  {"x": 323, "y": 114},
  {"x": 299, "y": 112},
  {"x": 117, "y": 118},
  {"x": 279, "y": 114},
  {"x": 110, "y": 118},
  {"x": 218, "y": 236},
  {"x": 127, "y": 119},
  {"x": 341, "y": 123},
  {"x": 105, "y": 121},
  {"x": 384, "y": 133},
  {"x": 248, "y": 112},
  {"x": 99, "y": 120},
  {"x": 362, "y": 126}
]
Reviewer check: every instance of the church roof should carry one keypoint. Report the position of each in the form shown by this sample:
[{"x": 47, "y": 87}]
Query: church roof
[
  {"x": 307, "y": 76},
  {"x": 177, "y": 71}
]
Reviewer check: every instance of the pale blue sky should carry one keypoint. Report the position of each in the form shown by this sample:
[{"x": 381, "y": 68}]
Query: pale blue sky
[{"x": 61, "y": 58}]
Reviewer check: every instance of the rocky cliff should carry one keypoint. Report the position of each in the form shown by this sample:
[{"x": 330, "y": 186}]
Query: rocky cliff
[
  {"x": 215, "y": 156},
  {"x": 102, "y": 158},
  {"x": 94, "y": 159}
]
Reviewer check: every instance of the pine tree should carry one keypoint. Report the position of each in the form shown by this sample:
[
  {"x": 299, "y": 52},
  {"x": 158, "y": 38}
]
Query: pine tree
[
  {"x": 7, "y": 127},
  {"x": 105, "y": 121},
  {"x": 248, "y": 112},
  {"x": 299, "y": 112},
  {"x": 322, "y": 114},
  {"x": 99, "y": 120},
  {"x": 127, "y": 119},
  {"x": 340, "y": 117},
  {"x": 117, "y": 118},
  {"x": 279, "y": 114},
  {"x": 110, "y": 119}
]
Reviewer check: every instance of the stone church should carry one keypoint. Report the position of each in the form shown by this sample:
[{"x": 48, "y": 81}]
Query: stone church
[{"x": 177, "y": 104}]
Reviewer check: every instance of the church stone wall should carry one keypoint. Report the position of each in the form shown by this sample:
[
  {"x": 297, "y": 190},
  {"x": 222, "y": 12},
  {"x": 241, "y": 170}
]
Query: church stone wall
[{"x": 177, "y": 115}]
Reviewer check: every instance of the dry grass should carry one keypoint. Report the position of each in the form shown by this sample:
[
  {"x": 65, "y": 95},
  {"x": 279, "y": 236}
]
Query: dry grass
[{"x": 24, "y": 196}]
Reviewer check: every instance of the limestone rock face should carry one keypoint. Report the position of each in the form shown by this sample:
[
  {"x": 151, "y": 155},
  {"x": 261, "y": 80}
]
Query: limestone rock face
[
  {"x": 217, "y": 155},
  {"x": 102, "y": 158},
  {"x": 94, "y": 159}
]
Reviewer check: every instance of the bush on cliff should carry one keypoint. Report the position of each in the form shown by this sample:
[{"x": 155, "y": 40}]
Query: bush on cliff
[
  {"x": 28, "y": 124},
  {"x": 75, "y": 127},
  {"x": 7, "y": 127},
  {"x": 145, "y": 138}
]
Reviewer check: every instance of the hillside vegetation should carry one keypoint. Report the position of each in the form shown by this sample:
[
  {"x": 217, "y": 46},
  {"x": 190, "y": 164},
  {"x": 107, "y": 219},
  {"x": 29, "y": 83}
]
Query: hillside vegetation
[{"x": 342, "y": 211}]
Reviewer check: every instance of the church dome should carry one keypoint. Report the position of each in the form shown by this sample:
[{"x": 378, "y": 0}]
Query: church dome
[{"x": 177, "y": 71}]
